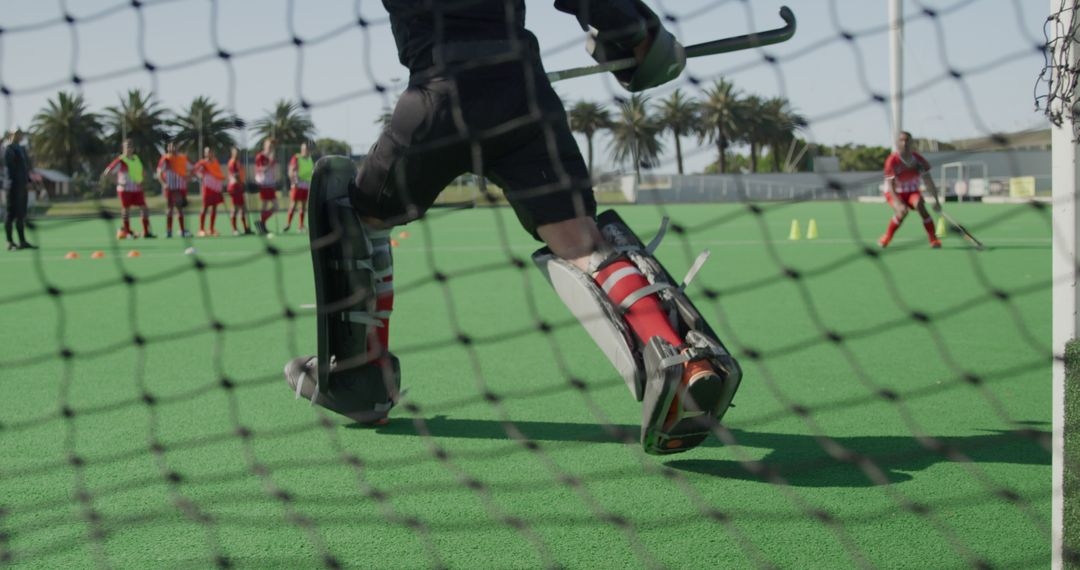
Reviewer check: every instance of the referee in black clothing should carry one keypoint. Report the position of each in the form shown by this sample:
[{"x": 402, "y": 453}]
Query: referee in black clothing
[{"x": 18, "y": 170}]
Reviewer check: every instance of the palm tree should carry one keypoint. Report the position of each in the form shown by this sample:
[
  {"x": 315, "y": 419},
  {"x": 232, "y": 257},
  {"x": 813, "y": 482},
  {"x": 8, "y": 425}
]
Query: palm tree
[
  {"x": 66, "y": 135},
  {"x": 756, "y": 130},
  {"x": 636, "y": 135},
  {"x": 203, "y": 124},
  {"x": 141, "y": 119},
  {"x": 287, "y": 124},
  {"x": 329, "y": 146},
  {"x": 679, "y": 115},
  {"x": 781, "y": 122},
  {"x": 588, "y": 118},
  {"x": 722, "y": 118}
]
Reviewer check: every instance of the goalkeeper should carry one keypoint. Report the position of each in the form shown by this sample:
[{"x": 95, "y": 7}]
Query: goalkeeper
[{"x": 479, "y": 100}]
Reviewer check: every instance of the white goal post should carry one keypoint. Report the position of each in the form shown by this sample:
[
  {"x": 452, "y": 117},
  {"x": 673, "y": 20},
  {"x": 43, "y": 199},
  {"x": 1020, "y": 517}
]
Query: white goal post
[{"x": 1062, "y": 32}]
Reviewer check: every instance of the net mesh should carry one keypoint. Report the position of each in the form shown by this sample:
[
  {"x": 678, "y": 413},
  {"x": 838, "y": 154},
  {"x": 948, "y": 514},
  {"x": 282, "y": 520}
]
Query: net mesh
[
  {"x": 1056, "y": 89},
  {"x": 124, "y": 429}
]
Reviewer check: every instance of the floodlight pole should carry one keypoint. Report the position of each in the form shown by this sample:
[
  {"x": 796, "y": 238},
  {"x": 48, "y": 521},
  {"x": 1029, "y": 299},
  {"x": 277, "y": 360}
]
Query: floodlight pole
[
  {"x": 896, "y": 66},
  {"x": 1065, "y": 168}
]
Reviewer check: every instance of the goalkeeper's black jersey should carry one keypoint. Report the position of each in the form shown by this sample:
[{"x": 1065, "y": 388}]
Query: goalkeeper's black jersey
[{"x": 420, "y": 25}]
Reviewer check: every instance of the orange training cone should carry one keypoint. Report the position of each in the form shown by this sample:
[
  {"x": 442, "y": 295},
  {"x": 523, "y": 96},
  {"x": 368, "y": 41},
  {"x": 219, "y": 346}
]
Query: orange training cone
[
  {"x": 97, "y": 254},
  {"x": 394, "y": 243},
  {"x": 71, "y": 255},
  {"x": 403, "y": 235},
  {"x": 134, "y": 253}
]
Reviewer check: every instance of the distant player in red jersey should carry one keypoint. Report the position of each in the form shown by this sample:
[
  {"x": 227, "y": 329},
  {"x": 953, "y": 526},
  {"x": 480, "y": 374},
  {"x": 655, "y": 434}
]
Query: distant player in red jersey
[
  {"x": 266, "y": 178},
  {"x": 301, "y": 167},
  {"x": 128, "y": 169},
  {"x": 208, "y": 169},
  {"x": 904, "y": 170},
  {"x": 172, "y": 171},
  {"x": 236, "y": 191}
]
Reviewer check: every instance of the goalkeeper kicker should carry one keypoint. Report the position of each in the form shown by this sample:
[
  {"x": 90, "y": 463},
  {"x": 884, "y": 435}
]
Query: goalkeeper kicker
[{"x": 451, "y": 120}]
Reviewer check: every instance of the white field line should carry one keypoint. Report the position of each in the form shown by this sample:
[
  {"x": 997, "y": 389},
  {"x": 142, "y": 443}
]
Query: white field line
[{"x": 406, "y": 249}]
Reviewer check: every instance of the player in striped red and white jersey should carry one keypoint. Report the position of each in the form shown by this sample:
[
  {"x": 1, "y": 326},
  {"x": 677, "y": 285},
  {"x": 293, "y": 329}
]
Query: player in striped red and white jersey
[
  {"x": 236, "y": 191},
  {"x": 266, "y": 178},
  {"x": 208, "y": 169},
  {"x": 128, "y": 169},
  {"x": 172, "y": 171},
  {"x": 301, "y": 168},
  {"x": 905, "y": 170}
]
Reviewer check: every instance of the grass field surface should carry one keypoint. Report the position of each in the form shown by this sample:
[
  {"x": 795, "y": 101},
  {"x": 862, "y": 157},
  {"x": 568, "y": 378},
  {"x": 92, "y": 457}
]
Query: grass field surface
[
  {"x": 1072, "y": 454},
  {"x": 894, "y": 411}
]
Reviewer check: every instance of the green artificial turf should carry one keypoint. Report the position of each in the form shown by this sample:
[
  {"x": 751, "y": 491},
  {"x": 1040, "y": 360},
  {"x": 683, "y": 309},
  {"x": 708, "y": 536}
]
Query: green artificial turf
[
  {"x": 1072, "y": 456},
  {"x": 166, "y": 436}
]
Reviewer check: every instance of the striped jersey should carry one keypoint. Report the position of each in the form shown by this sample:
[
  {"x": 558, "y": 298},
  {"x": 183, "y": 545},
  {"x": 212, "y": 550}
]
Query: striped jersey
[
  {"x": 210, "y": 173},
  {"x": 173, "y": 170},
  {"x": 907, "y": 174},
  {"x": 265, "y": 175},
  {"x": 127, "y": 179}
]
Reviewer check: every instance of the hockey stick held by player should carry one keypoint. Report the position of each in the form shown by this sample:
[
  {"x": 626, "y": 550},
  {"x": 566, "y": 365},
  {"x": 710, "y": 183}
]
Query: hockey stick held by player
[
  {"x": 450, "y": 122},
  {"x": 714, "y": 47}
]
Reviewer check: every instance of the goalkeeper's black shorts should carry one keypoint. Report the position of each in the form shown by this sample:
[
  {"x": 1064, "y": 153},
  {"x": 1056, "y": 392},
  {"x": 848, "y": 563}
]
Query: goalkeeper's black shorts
[{"x": 503, "y": 122}]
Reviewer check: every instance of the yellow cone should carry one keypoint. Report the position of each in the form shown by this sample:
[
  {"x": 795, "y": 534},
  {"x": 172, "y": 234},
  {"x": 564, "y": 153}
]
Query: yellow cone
[
  {"x": 811, "y": 229},
  {"x": 796, "y": 233},
  {"x": 941, "y": 230}
]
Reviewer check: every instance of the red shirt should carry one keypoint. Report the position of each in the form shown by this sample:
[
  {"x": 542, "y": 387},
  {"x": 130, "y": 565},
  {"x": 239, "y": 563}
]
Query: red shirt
[
  {"x": 264, "y": 170},
  {"x": 236, "y": 173},
  {"x": 907, "y": 174}
]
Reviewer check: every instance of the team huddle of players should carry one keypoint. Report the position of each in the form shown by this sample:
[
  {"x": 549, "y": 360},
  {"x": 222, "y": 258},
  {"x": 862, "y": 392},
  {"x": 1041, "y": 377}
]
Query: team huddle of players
[{"x": 174, "y": 172}]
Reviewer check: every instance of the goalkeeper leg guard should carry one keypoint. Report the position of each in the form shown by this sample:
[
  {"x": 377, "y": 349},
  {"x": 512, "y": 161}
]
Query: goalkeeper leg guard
[
  {"x": 678, "y": 412},
  {"x": 348, "y": 399},
  {"x": 353, "y": 373}
]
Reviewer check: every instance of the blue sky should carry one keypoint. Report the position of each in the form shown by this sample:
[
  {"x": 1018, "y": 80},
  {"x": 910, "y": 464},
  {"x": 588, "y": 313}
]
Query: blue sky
[{"x": 827, "y": 78}]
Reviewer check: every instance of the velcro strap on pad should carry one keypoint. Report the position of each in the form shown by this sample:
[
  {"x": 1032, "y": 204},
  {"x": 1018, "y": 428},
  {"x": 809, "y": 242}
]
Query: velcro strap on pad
[
  {"x": 614, "y": 278},
  {"x": 642, "y": 293},
  {"x": 365, "y": 318},
  {"x": 351, "y": 264}
]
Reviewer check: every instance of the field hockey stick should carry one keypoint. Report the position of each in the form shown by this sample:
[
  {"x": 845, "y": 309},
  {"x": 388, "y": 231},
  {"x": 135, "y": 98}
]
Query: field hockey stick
[
  {"x": 726, "y": 45},
  {"x": 967, "y": 235}
]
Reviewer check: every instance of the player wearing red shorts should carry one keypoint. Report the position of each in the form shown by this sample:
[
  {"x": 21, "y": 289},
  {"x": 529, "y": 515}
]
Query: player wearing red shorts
[
  {"x": 172, "y": 171},
  {"x": 208, "y": 169},
  {"x": 904, "y": 169},
  {"x": 129, "y": 178},
  {"x": 236, "y": 191},
  {"x": 301, "y": 167},
  {"x": 266, "y": 178}
]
